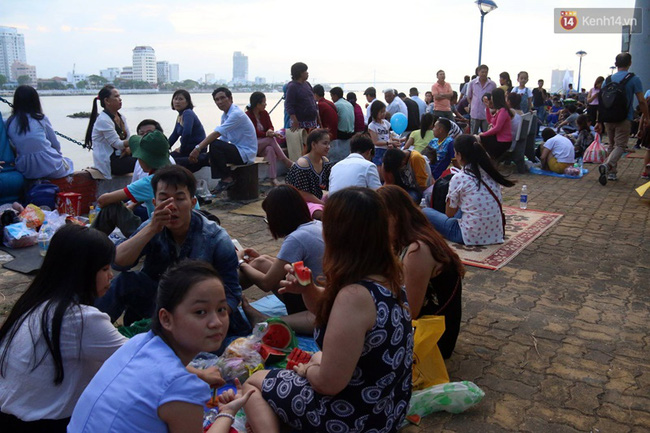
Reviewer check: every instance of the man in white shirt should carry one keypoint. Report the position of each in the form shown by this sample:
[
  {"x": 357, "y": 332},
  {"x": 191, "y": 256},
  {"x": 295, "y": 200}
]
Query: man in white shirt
[
  {"x": 371, "y": 96},
  {"x": 357, "y": 169},
  {"x": 394, "y": 104}
]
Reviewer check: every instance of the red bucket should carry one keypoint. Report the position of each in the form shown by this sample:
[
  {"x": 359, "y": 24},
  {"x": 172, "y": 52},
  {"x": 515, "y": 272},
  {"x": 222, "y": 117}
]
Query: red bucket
[{"x": 69, "y": 203}]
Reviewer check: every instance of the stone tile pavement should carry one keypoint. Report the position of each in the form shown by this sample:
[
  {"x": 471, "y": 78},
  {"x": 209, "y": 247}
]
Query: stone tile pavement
[{"x": 558, "y": 339}]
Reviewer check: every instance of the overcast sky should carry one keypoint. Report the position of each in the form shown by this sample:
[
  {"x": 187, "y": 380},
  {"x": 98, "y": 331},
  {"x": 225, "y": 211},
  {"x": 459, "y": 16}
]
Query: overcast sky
[{"x": 340, "y": 40}]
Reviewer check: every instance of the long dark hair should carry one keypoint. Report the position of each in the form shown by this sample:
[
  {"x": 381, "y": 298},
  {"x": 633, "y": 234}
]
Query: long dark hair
[
  {"x": 499, "y": 101},
  {"x": 174, "y": 285},
  {"x": 411, "y": 226},
  {"x": 392, "y": 163},
  {"x": 426, "y": 124},
  {"x": 355, "y": 230},
  {"x": 66, "y": 279},
  {"x": 506, "y": 76},
  {"x": 376, "y": 107},
  {"x": 476, "y": 157},
  {"x": 255, "y": 99},
  {"x": 285, "y": 210},
  {"x": 104, "y": 92},
  {"x": 26, "y": 102}
]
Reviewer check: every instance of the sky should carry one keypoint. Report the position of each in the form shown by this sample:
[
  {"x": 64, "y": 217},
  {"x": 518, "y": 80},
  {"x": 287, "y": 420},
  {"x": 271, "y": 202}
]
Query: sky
[{"x": 341, "y": 41}]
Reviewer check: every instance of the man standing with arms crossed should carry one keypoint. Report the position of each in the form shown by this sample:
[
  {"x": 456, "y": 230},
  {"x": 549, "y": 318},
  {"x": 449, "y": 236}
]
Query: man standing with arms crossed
[{"x": 442, "y": 95}]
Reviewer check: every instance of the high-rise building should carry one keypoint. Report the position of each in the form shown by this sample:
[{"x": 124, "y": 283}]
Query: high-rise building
[
  {"x": 144, "y": 64},
  {"x": 173, "y": 72},
  {"x": 20, "y": 69},
  {"x": 110, "y": 73},
  {"x": 163, "y": 71},
  {"x": 239, "y": 67},
  {"x": 127, "y": 73},
  {"x": 12, "y": 49}
]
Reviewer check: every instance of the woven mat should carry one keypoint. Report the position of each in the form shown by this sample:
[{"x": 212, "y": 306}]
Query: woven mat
[
  {"x": 252, "y": 209},
  {"x": 522, "y": 228}
]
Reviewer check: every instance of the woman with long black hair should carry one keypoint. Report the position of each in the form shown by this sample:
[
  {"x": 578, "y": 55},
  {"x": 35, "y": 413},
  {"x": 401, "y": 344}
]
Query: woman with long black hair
[
  {"x": 498, "y": 139},
  {"x": 108, "y": 135},
  {"x": 38, "y": 152},
  {"x": 54, "y": 340},
  {"x": 473, "y": 215}
]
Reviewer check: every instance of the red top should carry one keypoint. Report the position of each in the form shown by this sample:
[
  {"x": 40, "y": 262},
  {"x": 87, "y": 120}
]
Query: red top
[
  {"x": 265, "y": 120},
  {"x": 359, "y": 124},
  {"x": 328, "y": 116}
]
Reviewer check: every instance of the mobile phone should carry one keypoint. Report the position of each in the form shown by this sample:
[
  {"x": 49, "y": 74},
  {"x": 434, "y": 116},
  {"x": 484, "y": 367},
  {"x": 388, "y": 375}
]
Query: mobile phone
[{"x": 238, "y": 247}]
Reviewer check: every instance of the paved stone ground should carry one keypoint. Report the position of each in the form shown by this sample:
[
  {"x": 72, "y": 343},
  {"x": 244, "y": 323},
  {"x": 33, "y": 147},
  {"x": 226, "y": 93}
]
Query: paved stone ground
[{"x": 558, "y": 338}]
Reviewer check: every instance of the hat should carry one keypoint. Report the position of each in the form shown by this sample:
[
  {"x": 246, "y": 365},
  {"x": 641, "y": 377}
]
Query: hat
[
  {"x": 370, "y": 91},
  {"x": 152, "y": 148}
]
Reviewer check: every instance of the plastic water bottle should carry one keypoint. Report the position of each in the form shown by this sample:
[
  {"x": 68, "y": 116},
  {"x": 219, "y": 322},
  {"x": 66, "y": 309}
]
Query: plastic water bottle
[
  {"x": 92, "y": 214},
  {"x": 44, "y": 236},
  {"x": 423, "y": 203},
  {"x": 523, "y": 198}
]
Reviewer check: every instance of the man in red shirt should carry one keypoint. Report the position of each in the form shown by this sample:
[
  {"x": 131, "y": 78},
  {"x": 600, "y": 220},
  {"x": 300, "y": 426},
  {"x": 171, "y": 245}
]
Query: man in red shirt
[{"x": 327, "y": 110}]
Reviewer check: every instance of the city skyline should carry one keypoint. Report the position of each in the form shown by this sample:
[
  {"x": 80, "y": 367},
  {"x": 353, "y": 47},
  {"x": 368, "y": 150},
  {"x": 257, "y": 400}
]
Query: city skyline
[{"x": 518, "y": 36}]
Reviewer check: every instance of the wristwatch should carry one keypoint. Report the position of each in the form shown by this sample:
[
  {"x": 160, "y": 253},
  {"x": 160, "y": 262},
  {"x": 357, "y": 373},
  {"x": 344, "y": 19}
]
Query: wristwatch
[
  {"x": 197, "y": 147},
  {"x": 240, "y": 262}
]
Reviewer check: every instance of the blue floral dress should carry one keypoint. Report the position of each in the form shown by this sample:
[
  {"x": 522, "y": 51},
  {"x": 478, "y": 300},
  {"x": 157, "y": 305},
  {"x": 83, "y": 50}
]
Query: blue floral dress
[{"x": 377, "y": 397}]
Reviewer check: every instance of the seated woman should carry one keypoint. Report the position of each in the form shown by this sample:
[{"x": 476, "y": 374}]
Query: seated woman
[
  {"x": 54, "y": 340},
  {"x": 498, "y": 139},
  {"x": 473, "y": 212},
  {"x": 432, "y": 270},
  {"x": 267, "y": 145},
  {"x": 407, "y": 169},
  {"x": 361, "y": 380},
  {"x": 585, "y": 136},
  {"x": 557, "y": 152},
  {"x": 131, "y": 394},
  {"x": 311, "y": 173},
  {"x": 288, "y": 217},
  {"x": 419, "y": 139},
  {"x": 38, "y": 152},
  {"x": 189, "y": 129}
]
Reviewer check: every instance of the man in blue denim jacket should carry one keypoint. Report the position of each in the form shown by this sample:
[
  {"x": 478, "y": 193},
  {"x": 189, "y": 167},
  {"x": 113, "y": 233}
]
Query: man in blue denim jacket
[{"x": 174, "y": 232}]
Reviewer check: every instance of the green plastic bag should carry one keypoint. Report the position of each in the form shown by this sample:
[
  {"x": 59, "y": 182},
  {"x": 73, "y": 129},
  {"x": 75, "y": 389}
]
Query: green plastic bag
[{"x": 453, "y": 397}]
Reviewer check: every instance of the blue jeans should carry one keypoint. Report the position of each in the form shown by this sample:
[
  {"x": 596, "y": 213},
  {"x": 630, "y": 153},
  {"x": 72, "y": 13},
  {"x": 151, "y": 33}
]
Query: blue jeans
[
  {"x": 131, "y": 293},
  {"x": 379, "y": 155},
  {"x": 448, "y": 227}
]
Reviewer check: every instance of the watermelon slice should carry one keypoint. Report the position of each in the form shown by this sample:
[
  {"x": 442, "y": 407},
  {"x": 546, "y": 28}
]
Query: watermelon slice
[
  {"x": 278, "y": 335},
  {"x": 303, "y": 273},
  {"x": 271, "y": 355},
  {"x": 297, "y": 356}
]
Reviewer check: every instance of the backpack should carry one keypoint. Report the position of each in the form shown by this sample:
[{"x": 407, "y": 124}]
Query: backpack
[
  {"x": 613, "y": 105},
  {"x": 440, "y": 190}
]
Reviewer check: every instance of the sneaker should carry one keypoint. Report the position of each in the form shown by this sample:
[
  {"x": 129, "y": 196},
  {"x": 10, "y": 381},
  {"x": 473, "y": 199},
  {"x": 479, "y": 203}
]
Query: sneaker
[
  {"x": 611, "y": 176},
  {"x": 222, "y": 186},
  {"x": 602, "y": 169}
]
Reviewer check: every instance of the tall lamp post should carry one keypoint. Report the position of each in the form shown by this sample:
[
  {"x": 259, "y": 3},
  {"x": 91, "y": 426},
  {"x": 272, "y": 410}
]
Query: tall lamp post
[
  {"x": 580, "y": 54},
  {"x": 485, "y": 6}
]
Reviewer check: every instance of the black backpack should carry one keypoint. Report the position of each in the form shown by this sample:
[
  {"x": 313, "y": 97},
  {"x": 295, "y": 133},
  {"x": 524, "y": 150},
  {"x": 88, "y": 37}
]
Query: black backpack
[
  {"x": 440, "y": 190},
  {"x": 613, "y": 105}
]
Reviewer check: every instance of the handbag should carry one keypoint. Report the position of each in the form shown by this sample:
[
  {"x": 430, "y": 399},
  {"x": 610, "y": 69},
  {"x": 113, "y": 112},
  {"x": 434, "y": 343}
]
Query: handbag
[
  {"x": 503, "y": 216},
  {"x": 596, "y": 152}
]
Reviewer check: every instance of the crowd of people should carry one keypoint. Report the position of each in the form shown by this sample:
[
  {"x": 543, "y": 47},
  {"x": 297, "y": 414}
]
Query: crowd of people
[{"x": 378, "y": 260}]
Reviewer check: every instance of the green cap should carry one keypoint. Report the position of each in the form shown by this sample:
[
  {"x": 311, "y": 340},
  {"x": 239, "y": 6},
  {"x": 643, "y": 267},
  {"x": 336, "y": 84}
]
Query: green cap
[{"x": 152, "y": 148}]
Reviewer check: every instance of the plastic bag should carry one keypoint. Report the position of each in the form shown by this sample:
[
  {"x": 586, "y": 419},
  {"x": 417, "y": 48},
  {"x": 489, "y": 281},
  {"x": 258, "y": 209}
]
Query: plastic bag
[
  {"x": 33, "y": 216},
  {"x": 19, "y": 235},
  {"x": 241, "y": 358},
  {"x": 596, "y": 152},
  {"x": 454, "y": 397},
  {"x": 428, "y": 366},
  {"x": 54, "y": 219}
]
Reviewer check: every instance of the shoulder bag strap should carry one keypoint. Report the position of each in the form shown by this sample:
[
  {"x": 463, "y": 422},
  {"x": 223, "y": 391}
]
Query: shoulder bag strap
[{"x": 451, "y": 297}]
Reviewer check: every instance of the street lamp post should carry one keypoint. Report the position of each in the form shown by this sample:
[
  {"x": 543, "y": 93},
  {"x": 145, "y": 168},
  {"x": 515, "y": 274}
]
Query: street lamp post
[
  {"x": 485, "y": 7},
  {"x": 612, "y": 69},
  {"x": 580, "y": 54}
]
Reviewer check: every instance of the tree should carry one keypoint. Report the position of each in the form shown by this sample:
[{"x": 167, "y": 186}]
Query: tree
[
  {"x": 82, "y": 84},
  {"x": 190, "y": 84},
  {"x": 3, "y": 80},
  {"x": 96, "y": 80},
  {"x": 24, "y": 79}
]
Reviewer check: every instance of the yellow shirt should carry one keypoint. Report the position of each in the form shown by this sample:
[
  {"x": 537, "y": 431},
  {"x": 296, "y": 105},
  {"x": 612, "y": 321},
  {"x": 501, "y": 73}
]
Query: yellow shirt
[{"x": 420, "y": 143}]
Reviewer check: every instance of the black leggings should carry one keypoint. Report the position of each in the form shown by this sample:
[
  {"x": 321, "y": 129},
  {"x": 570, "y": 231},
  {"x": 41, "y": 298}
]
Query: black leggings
[{"x": 122, "y": 165}]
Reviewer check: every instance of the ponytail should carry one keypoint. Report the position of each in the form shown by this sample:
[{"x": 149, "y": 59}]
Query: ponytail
[
  {"x": 476, "y": 158},
  {"x": 104, "y": 93},
  {"x": 427, "y": 122}
]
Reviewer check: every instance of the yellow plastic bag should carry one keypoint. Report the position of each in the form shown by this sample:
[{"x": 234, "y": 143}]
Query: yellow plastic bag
[{"x": 428, "y": 366}]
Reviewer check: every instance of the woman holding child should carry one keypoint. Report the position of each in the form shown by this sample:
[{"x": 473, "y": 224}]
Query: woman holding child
[{"x": 361, "y": 380}]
